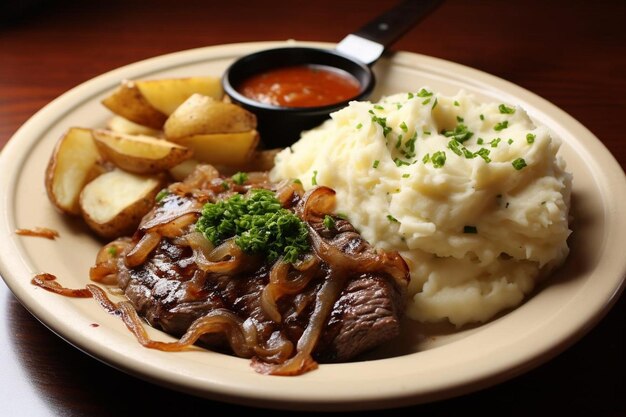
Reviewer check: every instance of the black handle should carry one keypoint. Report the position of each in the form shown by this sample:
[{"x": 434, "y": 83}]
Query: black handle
[{"x": 388, "y": 27}]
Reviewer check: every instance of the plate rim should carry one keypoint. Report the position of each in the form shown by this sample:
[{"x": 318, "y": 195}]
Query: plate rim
[{"x": 86, "y": 91}]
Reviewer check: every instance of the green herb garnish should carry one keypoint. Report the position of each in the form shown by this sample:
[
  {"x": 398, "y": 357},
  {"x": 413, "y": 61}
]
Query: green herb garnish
[
  {"x": 161, "y": 195},
  {"x": 438, "y": 159},
  {"x": 482, "y": 117},
  {"x": 112, "y": 251},
  {"x": 424, "y": 93},
  {"x": 484, "y": 153},
  {"x": 501, "y": 126},
  {"x": 258, "y": 224},
  {"x": 392, "y": 219},
  {"x": 460, "y": 133},
  {"x": 494, "y": 143},
  {"x": 519, "y": 163},
  {"x": 506, "y": 110},
  {"x": 314, "y": 178},
  {"x": 404, "y": 127},
  {"x": 530, "y": 138},
  {"x": 375, "y": 164},
  {"x": 360, "y": 125},
  {"x": 239, "y": 178},
  {"x": 456, "y": 103},
  {"x": 328, "y": 222}
]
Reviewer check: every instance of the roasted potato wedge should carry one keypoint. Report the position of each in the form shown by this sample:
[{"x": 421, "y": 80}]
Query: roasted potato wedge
[
  {"x": 73, "y": 163},
  {"x": 166, "y": 95},
  {"x": 114, "y": 203},
  {"x": 128, "y": 102},
  {"x": 231, "y": 149},
  {"x": 119, "y": 124},
  {"x": 139, "y": 154},
  {"x": 202, "y": 115},
  {"x": 182, "y": 170}
]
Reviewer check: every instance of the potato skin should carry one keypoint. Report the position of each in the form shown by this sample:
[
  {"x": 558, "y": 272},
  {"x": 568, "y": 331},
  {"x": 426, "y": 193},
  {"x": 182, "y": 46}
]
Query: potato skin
[
  {"x": 125, "y": 221},
  {"x": 135, "y": 153},
  {"x": 74, "y": 140},
  {"x": 128, "y": 102},
  {"x": 202, "y": 115}
]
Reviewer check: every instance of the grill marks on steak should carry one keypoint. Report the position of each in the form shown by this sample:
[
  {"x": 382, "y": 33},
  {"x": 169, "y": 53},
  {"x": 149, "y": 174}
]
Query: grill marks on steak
[{"x": 171, "y": 292}]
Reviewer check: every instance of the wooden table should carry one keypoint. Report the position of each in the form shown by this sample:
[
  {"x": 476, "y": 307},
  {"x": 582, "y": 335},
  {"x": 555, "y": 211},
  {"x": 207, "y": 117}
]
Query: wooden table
[{"x": 570, "y": 52}]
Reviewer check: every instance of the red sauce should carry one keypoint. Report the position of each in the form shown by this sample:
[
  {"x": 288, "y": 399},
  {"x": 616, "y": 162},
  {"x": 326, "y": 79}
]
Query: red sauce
[{"x": 301, "y": 86}]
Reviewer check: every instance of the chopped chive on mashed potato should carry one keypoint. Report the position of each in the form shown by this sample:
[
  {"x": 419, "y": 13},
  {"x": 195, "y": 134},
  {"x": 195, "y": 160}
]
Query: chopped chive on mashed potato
[{"x": 472, "y": 194}]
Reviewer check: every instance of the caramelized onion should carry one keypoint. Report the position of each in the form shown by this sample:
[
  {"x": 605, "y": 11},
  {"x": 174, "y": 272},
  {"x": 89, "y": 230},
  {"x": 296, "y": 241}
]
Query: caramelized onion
[
  {"x": 47, "y": 282},
  {"x": 138, "y": 254}
]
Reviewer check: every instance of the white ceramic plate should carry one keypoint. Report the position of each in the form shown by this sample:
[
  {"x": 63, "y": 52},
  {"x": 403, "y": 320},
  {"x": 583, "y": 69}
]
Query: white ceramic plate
[{"x": 425, "y": 364}]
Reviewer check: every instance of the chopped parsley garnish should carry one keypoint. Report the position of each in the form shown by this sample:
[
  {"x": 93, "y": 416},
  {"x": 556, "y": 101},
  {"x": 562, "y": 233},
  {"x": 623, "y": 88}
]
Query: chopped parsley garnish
[
  {"x": 239, "y": 178},
  {"x": 435, "y": 103},
  {"x": 404, "y": 127},
  {"x": 470, "y": 229},
  {"x": 378, "y": 107},
  {"x": 342, "y": 216},
  {"x": 161, "y": 195},
  {"x": 425, "y": 102},
  {"x": 460, "y": 119},
  {"x": 258, "y": 224},
  {"x": 530, "y": 138},
  {"x": 406, "y": 175},
  {"x": 426, "y": 132},
  {"x": 438, "y": 159},
  {"x": 297, "y": 181},
  {"x": 456, "y": 103},
  {"x": 501, "y": 126},
  {"x": 424, "y": 93},
  {"x": 494, "y": 143},
  {"x": 519, "y": 163},
  {"x": 112, "y": 251},
  {"x": 392, "y": 219},
  {"x": 506, "y": 110},
  {"x": 426, "y": 158},
  {"x": 411, "y": 96},
  {"x": 314, "y": 178},
  {"x": 482, "y": 117},
  {"x": 375, "y": 164},
  {"x": 225, "y": 186},
  {"x": 398, "y": 106},
  {"x": 460, "y": 133},
  {"x": 329, "y": 222},
  {"x": 510, "y": 141},
  {"x": 480, "y": 141},
  {"x": 360, "y": 125}
]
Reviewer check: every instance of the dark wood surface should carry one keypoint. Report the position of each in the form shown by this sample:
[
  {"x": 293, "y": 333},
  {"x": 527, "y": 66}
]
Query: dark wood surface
[{"x": 570, "y": 52}]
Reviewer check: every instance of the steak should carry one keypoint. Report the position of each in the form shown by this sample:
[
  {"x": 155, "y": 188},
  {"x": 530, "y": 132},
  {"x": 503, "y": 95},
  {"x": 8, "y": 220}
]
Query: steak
[{"x": 171, "y": 291}]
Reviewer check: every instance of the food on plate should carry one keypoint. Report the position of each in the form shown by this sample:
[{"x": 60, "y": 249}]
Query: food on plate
[
  {"x": 139, "y": 154},
  {"x": 166, "y": 95},
  {"x": 455, "y": 209},
  {"x": 203, "y": 115},
  {"x": 113, "y": 204},
  {"x": 119, "y": 124},
  {"x": 301, "y": 86},
  {"x": 230, "y": 149},
  {"x": 472, "y": 195},
  {"x": 150, "y": 102},
  {"x": 44, "y": 232},
  {"x": 72, "y": 164},
  {"x": 128, "y": 102},
  {"x": 264, "y": 270}
]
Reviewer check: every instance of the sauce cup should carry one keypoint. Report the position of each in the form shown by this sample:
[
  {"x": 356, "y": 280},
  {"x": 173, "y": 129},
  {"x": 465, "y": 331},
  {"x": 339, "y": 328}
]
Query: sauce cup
[{"x": 280, "y": 126}]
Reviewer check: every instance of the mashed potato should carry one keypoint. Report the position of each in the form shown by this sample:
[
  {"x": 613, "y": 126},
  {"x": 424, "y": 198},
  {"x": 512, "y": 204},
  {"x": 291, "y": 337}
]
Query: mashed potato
[{"x": 473, "y": 195}]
